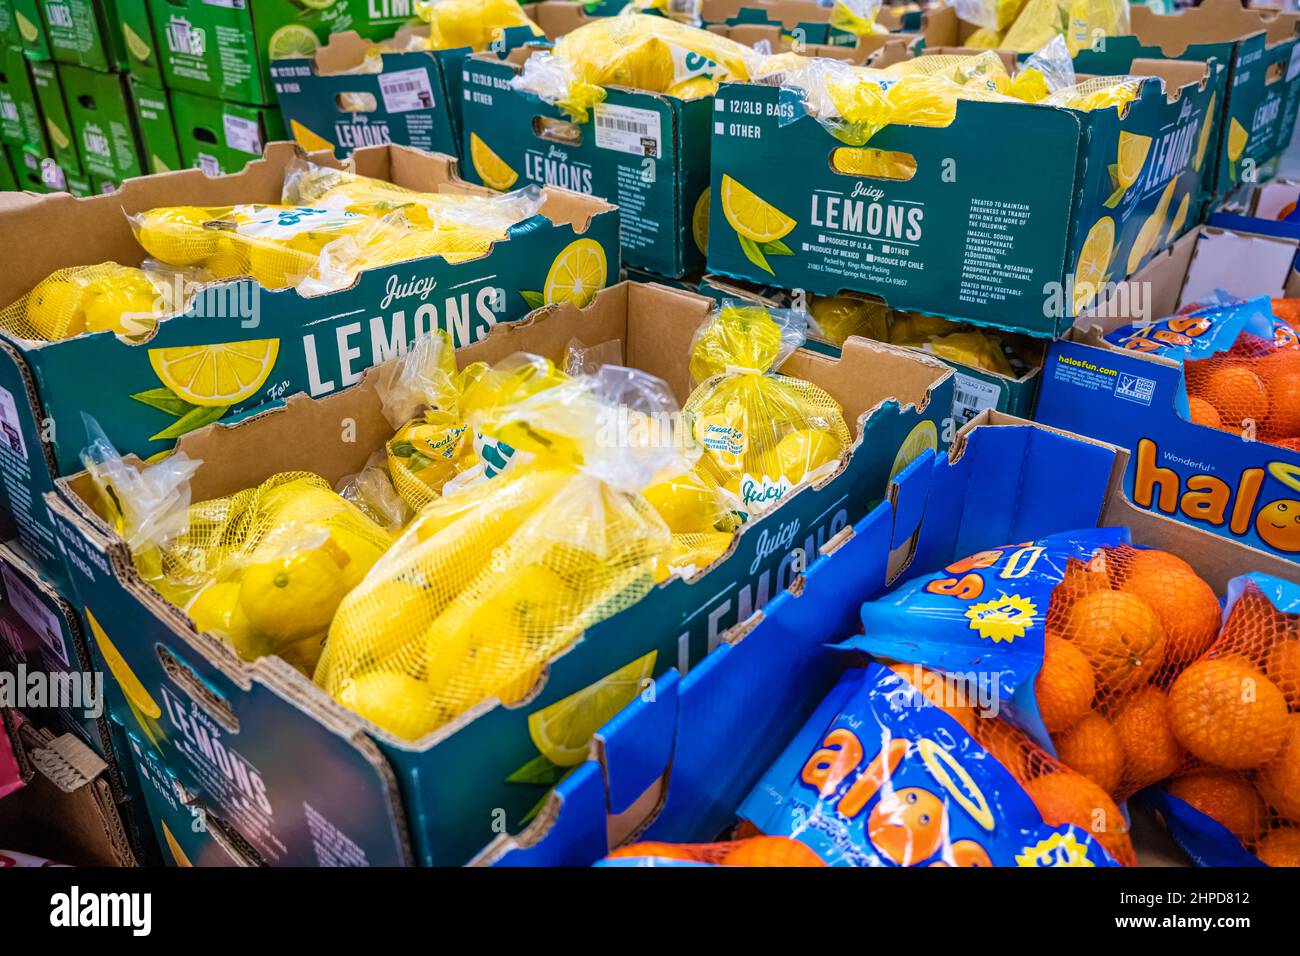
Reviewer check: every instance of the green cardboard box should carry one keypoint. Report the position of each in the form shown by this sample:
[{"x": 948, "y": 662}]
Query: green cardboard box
[
  {"x": 84, "y": 33},
  {"x": 31, "y": 28},
  {"x": 143, "y": 56},
  {"x": 99, "y": 105},
  {"x": 315, "y": 344},
  {"x": 9, "y": 35},
  {"x": 220, "y": 137},
  {"x": 20, "y": 111},
  {"x": 1256, "y": 114},
  {"x": 79, "y": 184},
  {"x": 156, "y": 125},
  {"x": 299, "y": 762},
  {"x": 27, "y": 170},
  {"x": 58, "y": 124},
  {"x": 8, "y": 181},
  {"x": 414, "y": 100},
  {"x": 1009, "y": 216},
  {"x": 225, "y": 50}
]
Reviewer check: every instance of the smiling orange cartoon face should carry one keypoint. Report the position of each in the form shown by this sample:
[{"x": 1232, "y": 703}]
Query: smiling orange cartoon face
[
  {"x": 1278, "y": 523},
  {"x": 907, "y": 826}
]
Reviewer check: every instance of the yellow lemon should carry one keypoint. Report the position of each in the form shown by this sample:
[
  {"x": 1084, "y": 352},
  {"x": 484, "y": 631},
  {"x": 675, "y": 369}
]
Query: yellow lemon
[
  {"x": 175, "y": 235},
  {"x": 491, "y": 168},
  {"x": 838, "y": 317},
  {"x": 293, "y": 597},
  {"x": 806, "y": 451},
  {"x": 752, "y": 217},
  {"x": 278, "y": 266},
  {"x": 217, "y": 610},
  {"x": 56, "y": 308},
  {"x": 219, "y": 374},
  {"x": 399, "y": 703},
  {"x": 377, "y": 622},
  {"x": 563, "y": 730},
  {"x": 125, "y": 311},
  {"x": 686, "y": 502}
]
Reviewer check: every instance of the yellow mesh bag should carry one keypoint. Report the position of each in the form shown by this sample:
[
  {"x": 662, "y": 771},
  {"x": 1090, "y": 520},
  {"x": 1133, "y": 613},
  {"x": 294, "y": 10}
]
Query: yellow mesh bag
[
  {"x": 835, "y": 318},
  {"x": 264, "y": 569},
  {"x": 277, "y": 245},
  {"x": 856, "y": 16},
  {"x": 1038, "y": 22},
  {"x": 471, "y": 23},
  {"x": 1089, "y": 20},
  {"x": 1097, "y": 93},
  {"x": 763, "y": 433},
  {"x": 634, "y": 50},
  {"x": 989, "y": 15},
  {"x": 489, "y": 584},
  {"x": 106, "y": 297}
]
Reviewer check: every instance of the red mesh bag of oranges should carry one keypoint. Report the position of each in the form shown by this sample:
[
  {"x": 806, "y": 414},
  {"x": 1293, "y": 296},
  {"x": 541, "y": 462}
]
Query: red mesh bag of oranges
[
  {"x": 768, "y": 851},
  {"x": 1235, "y": 716},
  {"x": 1075, "y": 638}
]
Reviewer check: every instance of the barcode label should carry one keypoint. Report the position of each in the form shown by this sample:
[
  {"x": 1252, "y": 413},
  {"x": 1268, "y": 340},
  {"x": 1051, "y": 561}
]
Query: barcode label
[
  {"x": 209, "y": 165},
  {"x": 970, "y": 396},
  {"x": 242, "y": 134},
  {"x": 628, "y": 130},
  {"x": 406, "y": 90},
  {"x": 183, "y": 38},
  {"x": 39, "y": 618}
]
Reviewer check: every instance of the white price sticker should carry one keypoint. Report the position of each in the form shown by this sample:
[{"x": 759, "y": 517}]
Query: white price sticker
[
  {"x": 406, "y": 90},
  {"x": 242, "y": 134},
  {"x": 625, "y": 129},
  {"x": 970, "y": 396}
]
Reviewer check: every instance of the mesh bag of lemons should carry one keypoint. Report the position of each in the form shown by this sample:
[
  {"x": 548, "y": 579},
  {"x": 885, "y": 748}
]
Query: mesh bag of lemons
[
  {"x": 470, "y": 23},
  {"x": 106, "y": 297},
  {"x": 1027, "y": 25},
  {"x": 264, "y": 568},
  {"x": 763, "y": 433},
  {"x": 330, "y": 225},
  {"x": 434, "y": 407},
  {"x": 487, "y": 585},
  {"x": 635, "y": 50}
]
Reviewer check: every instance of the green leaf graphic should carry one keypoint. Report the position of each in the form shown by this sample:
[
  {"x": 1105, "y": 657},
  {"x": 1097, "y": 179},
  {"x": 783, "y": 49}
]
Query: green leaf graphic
[
  {"x": 539, "y": 771},
  {"x": 165, "y": 400},
  {"x": 776, "y": 248},
  {"x": 534, "y": 300},
  {"x": 754, "y": 254},
  {"x": 191, "y": 421}
]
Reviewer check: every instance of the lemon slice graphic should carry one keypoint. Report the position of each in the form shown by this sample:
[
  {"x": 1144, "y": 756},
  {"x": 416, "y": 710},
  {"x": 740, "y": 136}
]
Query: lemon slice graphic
[
  {"x": 221, "y": 374},
  {"x": 752, "y": 217},
  {"x": 577, "y": 274},
  {"x": 563, "y": 730},
  {"x": 491, "y": 168}
]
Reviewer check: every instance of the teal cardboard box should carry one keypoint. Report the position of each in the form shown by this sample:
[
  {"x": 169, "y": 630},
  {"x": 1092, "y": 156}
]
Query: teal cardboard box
[
  {"x": 801, "y": 21},
  {"x": 20, "y": 112},
  {"x": 143, "y": 56},
  {"x": 312, "y": 344},
  {"x": 221, "y": 137},
  {"x": 300, "y": 766},
  {"x": 1256, "y": 113},
  {"x": 99, "y": 106},
  {"x": 84, "y": 33},
  {"x": 1220, "y": 481},
  {"x": 185, "y": 833},
  {"x": 58, "y": 123},
  {"x": 954, "y": 230},
  {"x": 225, "y": 50},
  {"x": 414, "y": 99},
  {"x": 157, "y": 127}
]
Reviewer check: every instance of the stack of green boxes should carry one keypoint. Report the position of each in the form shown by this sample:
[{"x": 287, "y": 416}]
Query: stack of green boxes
[
  {"x": 200, "y": 70},
  {"x": 95, "y": 91}
]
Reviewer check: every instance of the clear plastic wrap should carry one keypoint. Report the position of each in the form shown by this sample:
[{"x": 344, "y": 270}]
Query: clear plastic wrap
[
  {"x": 856, "y": 16},
  {"x": 991, "y": 15},
  {"x": 106, "y": 297},
  {"x": 470, "y": 23},
  {"x": 763, "y": 433},
  {"x": 1097, "y": 93},
  {"x": 487, "y": 585},
  {"x": 1046, "y": 71},
  {"x": 633, "y": 50}
]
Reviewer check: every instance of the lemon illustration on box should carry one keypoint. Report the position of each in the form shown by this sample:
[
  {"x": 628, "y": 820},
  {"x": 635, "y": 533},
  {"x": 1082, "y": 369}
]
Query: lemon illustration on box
[
  {"x": 1133, "y": 150},
  {"x": 308, "y": 140},
  {"x": 1148, "y": 236},
  {"x": 577, "y": 274},
  {"x": 201, "y": 382},
  {"x": 562, "y": 732},
  {"x": 1203, "y": 140},
  {"x": 922, "y": 438},
  {"x": 1090, "y": 273},
  {"x": 491, "y": 168},
  {"x": 759, "y": 224},
  {"x": 700, "y": 222},
  {"x": 178, "y": 855},
  {"x": 141, "y": 703}
]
